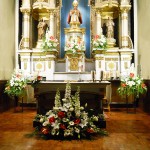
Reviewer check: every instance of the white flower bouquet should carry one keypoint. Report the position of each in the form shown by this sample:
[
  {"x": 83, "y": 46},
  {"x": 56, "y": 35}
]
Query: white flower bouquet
[
  {"x": 75, "y": 45},
  {"x": 49, "y": 42},
  {"x": 67, "y": 119},
  {"x": 132, "y": 85},
  {"x": 99, "y": 42},
  {"x": 17, "y": 84}
]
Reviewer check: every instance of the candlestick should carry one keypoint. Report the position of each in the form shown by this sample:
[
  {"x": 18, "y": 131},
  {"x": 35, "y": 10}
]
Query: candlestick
[
  {"x": 93, "y": 75},
  {"x": 101, "y": 75}
]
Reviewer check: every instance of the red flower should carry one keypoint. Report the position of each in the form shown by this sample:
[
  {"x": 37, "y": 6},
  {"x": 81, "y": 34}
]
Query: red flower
[
  {"x": 131, "y": 75},
  {"x": 143, "y": 85},
  {"x": 61, "y": 114},
  {"x": 90, "y": 130},
  {"x": 79, "y": 42},
  {"x": 51, "y": 119},
  {"x": 39, "y": 77},
  {"x": 52, "y": 38},
  {"x": 18, "y": 75},
  {"x": 62, "y": 126},
  {"x": 96, "y": 37},
  {"x": 44, "y": 130},
  {"x": 123, "y": 85},
  {"x": 77, "y": 121}
]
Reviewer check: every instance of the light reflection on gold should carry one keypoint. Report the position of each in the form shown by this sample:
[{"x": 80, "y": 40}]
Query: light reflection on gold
[
  {"x": 74, "y": 64},
  {"x": 39, "y": 66}
]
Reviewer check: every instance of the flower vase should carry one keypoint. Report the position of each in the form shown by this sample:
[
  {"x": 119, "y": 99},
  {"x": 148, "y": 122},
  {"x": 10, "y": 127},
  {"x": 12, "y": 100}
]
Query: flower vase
[
  {"x": 134, "y": 103},
  {"x": 16, "y": 106},
  {"x": 15, "y": 101}
]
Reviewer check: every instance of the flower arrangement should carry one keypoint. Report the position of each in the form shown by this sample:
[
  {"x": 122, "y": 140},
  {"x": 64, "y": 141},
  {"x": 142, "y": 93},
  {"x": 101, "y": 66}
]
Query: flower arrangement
[
  {"x": 67, "y": 119},
  {"x": 49, "y": 42},
  {"x": 17, "y": 84},
  {"x": 99, "y": 42},
  {"x": 75, "y": 45},
  {"x": 34, "y": 79},
  {"x": 132, "y": 86}
]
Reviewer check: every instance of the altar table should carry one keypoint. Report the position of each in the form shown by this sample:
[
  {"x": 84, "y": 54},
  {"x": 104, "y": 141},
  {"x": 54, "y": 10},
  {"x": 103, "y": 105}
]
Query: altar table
[{"x": 46, "y": 90}]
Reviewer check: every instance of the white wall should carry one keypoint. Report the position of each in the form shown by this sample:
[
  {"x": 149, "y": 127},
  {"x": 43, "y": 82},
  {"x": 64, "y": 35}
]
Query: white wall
[
  {"x": 7, "y": 38},
  {"x": 144, "y": 37}
]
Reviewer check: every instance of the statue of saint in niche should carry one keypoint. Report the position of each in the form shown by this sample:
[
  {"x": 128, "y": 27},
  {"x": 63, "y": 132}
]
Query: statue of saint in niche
[
  {"x": 74, "y": 14},
  {"x": 110, "y": 28},
  {"x": 41, "y": 29}
]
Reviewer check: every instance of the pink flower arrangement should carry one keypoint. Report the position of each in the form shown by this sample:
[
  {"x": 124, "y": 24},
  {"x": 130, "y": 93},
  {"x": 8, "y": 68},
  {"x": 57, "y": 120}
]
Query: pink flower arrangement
[
  {"x": 74, "y": 46},
  {"x": 49, "y": 42},
  {"x": 99, "y": 42}
]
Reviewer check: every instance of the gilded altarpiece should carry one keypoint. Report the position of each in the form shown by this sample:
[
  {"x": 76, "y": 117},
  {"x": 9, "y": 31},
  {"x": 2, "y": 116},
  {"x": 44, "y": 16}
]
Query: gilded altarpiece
[{"x": 111, "y": 18}]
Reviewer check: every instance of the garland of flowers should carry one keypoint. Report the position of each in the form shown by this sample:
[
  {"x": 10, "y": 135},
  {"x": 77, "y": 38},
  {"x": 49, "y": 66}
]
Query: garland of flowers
[
  {"x": 17, "y": 84},
  {"x": 67, "y": 119},
  {"x": 132, "y": 86},
  {"x": 99, "y": 42}
]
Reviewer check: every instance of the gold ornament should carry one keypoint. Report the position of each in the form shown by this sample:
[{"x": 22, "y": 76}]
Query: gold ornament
[{"x": 75, "y": 3}]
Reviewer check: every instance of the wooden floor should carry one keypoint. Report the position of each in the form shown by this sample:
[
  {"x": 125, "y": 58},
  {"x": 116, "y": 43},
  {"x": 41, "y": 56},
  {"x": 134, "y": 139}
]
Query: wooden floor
[{"x": 127, "y": 131}]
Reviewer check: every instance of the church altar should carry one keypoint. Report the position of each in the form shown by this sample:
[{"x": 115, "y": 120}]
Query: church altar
[
  {"x": 76, "y": 40},
  {"x": 91, "y": 89}
]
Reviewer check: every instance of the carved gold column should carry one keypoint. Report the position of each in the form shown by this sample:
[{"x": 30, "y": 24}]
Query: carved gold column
[
  {"x": 26, "y": 9},
  {"x": 98, "y": 23},
  {"x": 124, "y": 20},
  {"x": 52, "y": 23}
]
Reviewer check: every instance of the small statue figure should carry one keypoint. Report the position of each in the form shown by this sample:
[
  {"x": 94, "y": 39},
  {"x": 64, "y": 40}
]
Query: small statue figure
[
  {"x": 110, "y": 28},
  {"x": 74, "y": 14},
  {"x": 41, "y": 29}
]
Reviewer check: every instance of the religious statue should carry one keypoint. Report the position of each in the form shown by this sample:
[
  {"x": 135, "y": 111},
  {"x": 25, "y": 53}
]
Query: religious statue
[
  {"x": 74, "y": 14},
  {"x": 41, "y": 29},
  {"x": 110, "y": 28}
]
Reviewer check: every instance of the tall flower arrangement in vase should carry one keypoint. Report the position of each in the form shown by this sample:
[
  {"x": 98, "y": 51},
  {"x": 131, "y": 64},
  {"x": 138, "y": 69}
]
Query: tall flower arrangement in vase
[
  {"x": 75, "y": 45},
  {"x": 99, "y": 42},
  {"x": 132, "y": 85},
  {"x": 17, "y": 84},
  {"x": 67, "y": 119},
  {"x": 50, "y": 43}
]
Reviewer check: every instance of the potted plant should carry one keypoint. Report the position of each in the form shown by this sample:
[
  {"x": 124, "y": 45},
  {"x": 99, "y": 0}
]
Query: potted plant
[
  {"x": 132, "y": 85},
  {"x": 15, "y": 87},
  {"x": 99, "y": 43},
  {"x": 49, "y": 43}
]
